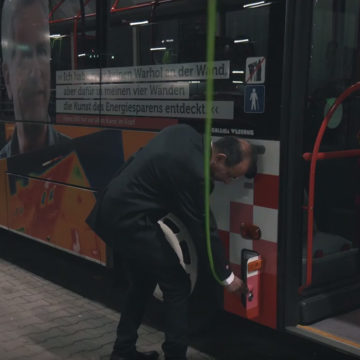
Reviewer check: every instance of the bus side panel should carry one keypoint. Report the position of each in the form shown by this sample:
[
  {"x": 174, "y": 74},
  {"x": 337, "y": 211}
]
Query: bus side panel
[
  {"x": 55, "y": 214},
  {"x": 45, "y": 205},
  {"x": 134, "y": 140},
  {"x": 253, "y": 201},
  {"x": 76, "y": 131}
]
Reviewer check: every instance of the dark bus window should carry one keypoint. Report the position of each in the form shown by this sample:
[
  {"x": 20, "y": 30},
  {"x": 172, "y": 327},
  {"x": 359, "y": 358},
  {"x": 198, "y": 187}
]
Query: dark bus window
[
  {"x": 163, "y": 42},
  {"x": 334, "y": 66},
  {"x": 248, "y": 40},
  {"x": 120, "y": 40},
  {"x": 128, "y": 3},
  {"x": 70, "y": 8},
  {"x": 250, "y": 36},
  {"x": 75, "y": 59}
]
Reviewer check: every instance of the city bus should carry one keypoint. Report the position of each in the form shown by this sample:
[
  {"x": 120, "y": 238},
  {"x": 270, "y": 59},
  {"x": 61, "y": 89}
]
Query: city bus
[{"x": 85, "y": 84}]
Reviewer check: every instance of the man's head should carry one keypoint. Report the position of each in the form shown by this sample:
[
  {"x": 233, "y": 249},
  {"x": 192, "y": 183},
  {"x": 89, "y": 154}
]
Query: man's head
[
  {"x": 26, "y": 57},
  {"x": 232, "y": 158}
]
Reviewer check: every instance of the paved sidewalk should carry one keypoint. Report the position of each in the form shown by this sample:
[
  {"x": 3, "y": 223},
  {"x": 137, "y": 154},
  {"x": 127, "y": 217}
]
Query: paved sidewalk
[{"x": 43, "y": 321}]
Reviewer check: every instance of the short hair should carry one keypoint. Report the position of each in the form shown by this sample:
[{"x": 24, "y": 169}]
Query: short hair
[
  {"x": 235, "y": 153},
  {"x": 9, "y": 11},
  {"x": 232, "y": 148}
]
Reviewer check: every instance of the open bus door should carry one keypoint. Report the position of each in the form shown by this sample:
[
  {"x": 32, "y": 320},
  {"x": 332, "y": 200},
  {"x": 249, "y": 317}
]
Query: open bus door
[{"x": 319, "y": 247}]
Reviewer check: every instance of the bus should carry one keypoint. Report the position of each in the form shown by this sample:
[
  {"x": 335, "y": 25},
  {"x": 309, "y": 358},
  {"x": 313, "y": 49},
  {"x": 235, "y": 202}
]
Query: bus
[{"x": 86, "y": 83}]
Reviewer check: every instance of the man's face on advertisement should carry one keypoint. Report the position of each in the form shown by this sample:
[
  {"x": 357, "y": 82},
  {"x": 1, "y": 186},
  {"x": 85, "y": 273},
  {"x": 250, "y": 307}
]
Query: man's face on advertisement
[{"x": 27, "y": 76}]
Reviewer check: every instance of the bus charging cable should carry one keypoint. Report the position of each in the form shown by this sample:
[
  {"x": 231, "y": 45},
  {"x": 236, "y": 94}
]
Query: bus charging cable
[{"x": 210, "y": 56}]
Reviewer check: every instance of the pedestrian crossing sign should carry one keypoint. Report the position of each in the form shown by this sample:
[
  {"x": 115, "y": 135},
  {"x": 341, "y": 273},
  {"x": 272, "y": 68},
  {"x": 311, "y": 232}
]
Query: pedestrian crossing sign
[{"x": 254, "y": 99}]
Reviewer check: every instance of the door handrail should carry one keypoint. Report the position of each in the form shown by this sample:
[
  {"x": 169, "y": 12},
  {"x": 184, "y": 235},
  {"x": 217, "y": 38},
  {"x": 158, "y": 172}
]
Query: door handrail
[
  {"x": 313, "y": 158},
  {"x": 332, "y": 155}
]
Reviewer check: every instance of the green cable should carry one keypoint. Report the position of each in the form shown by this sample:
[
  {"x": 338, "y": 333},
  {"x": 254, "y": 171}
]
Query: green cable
[{"x": 210, "y": 54}]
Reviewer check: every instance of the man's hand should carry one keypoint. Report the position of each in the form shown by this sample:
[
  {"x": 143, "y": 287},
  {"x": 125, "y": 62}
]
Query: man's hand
[{"x": 237, "y": 286}]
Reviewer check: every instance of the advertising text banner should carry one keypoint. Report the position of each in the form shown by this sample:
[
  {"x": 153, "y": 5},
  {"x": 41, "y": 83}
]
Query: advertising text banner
[{"x": 182, "y": 109}]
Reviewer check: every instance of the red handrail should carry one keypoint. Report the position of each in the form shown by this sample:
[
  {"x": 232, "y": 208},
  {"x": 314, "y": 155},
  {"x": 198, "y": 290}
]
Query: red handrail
[
  {"x": 75, "y": 36},
  {"x": 333, "y": 155},
  {"x": 314, "y": 157},
  {"x": 113, "y": 9},
  {"x": 55, "y": 8},
  {"x": 145, "y": 4},
  {"x": 69, "y": 18},
  {"x": 114, "y": 5},
  {"x": 75, "y": 47}
]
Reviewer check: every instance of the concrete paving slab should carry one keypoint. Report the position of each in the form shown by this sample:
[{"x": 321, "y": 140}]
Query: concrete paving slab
[{"x": 44, "y": 321}]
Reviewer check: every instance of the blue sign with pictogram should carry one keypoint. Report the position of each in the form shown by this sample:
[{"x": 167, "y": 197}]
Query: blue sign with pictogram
[{"x": 254, "y": 99}]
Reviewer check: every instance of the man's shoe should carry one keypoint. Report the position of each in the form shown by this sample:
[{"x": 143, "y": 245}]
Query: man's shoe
[{"x": 149, "y": 355}]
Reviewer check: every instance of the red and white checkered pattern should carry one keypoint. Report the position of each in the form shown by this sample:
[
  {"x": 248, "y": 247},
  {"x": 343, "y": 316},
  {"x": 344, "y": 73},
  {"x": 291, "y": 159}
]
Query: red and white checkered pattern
[{"x": 252, "y": 201}]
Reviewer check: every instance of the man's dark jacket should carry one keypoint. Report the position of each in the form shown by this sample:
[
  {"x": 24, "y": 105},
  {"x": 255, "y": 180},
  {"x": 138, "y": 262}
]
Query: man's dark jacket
[{"x": 167, "y": 175}]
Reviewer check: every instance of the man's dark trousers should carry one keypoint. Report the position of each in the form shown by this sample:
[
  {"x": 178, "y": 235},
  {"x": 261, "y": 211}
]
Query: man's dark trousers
[{"x": 143, "y": 275}]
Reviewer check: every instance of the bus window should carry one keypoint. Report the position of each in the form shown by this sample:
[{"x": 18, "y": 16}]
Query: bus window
[
  {"x": 121, "y": 50},
  {"x": 247, "y": 42},
  {"x": 70, "y": 8},
  {"x": 74, "y": 48},
  {"x": 334, "y": 66}
]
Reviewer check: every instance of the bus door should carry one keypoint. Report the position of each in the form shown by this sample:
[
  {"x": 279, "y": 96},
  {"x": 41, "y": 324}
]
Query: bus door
[{"x": 328, "y": 259}]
